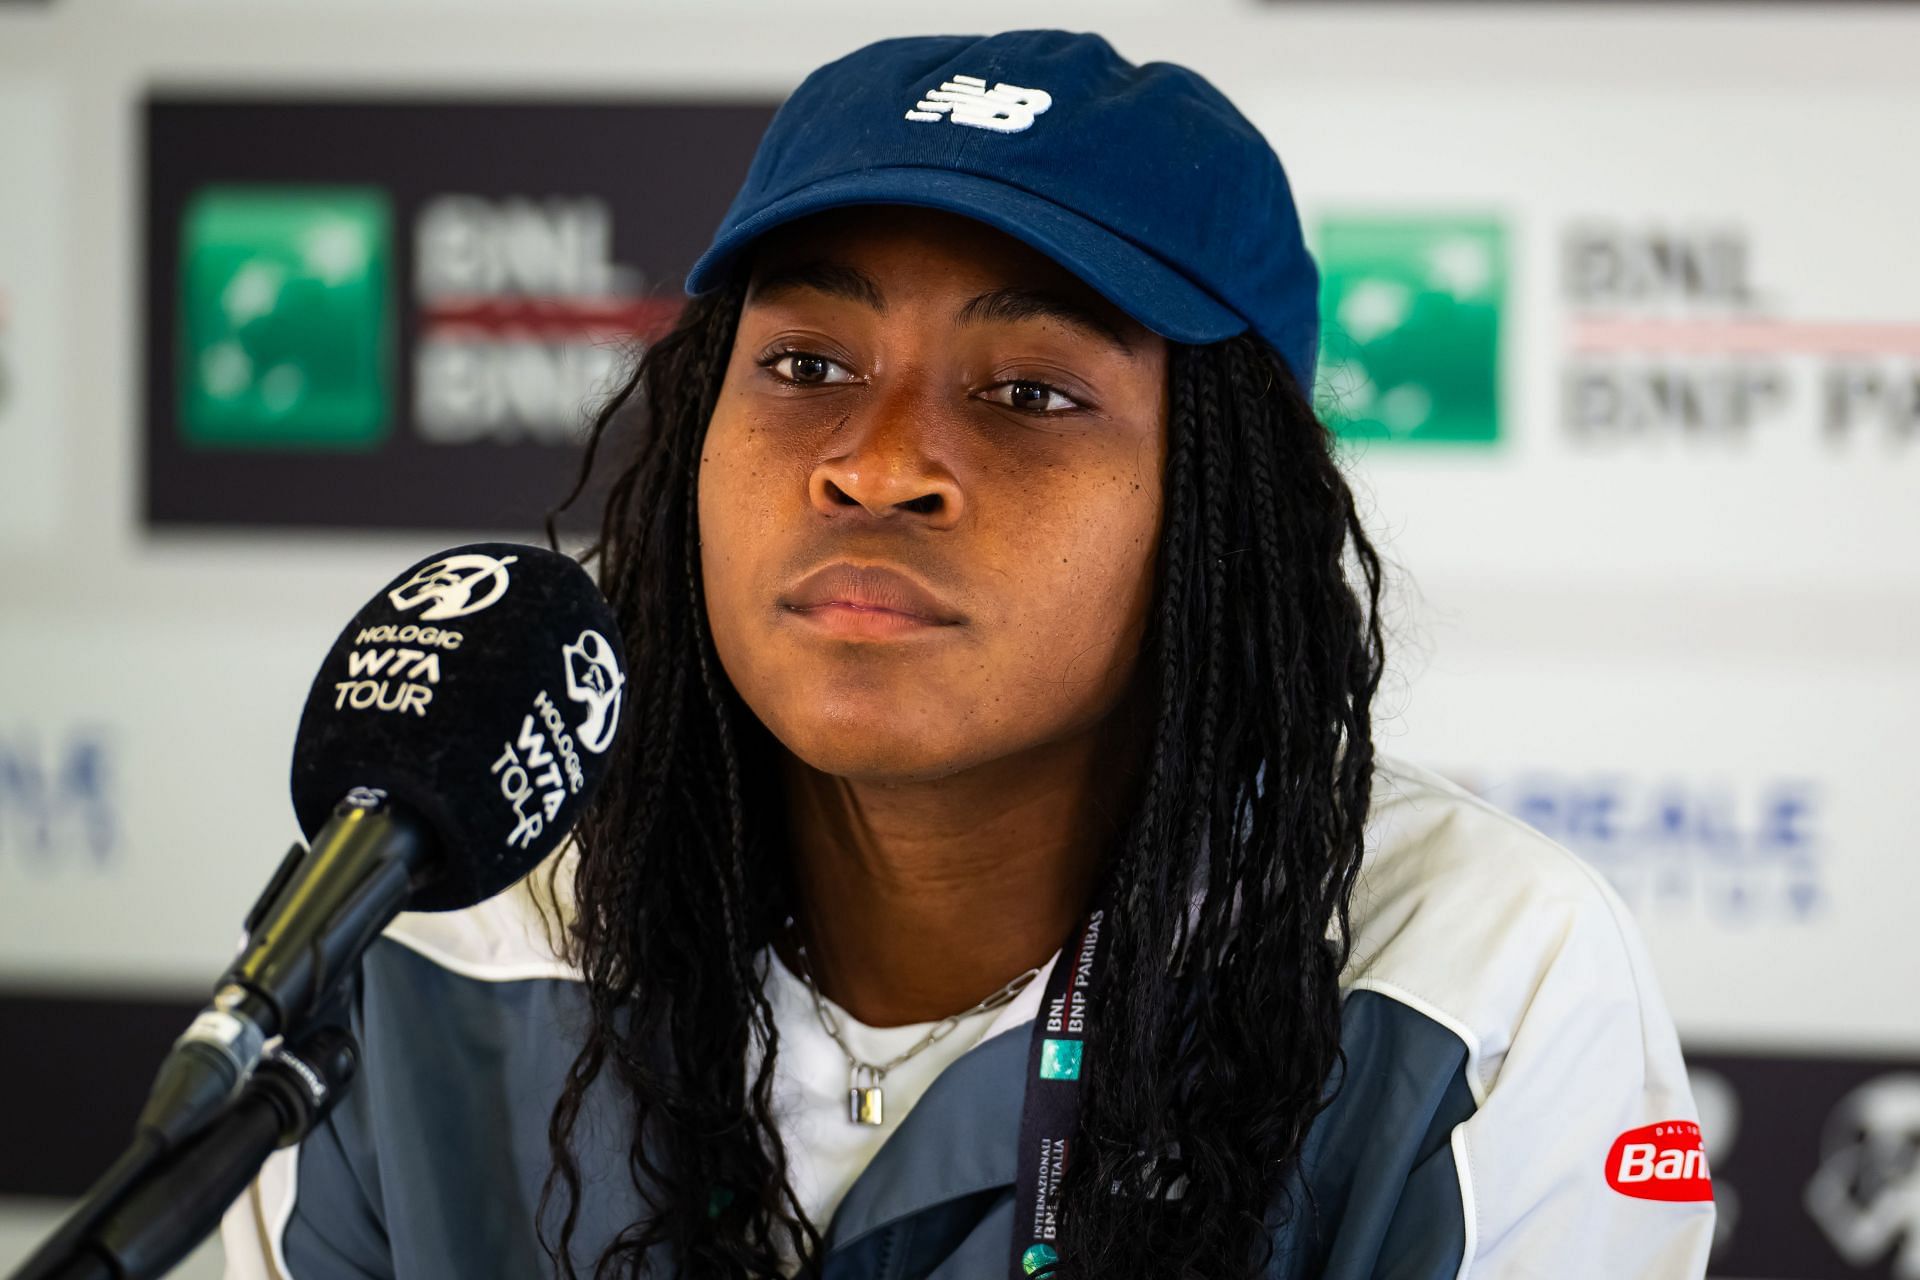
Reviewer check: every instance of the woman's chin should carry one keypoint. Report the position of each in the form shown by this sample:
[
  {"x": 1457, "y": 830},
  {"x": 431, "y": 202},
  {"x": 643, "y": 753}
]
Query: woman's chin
[
  {"x": 882, "y": 742},
  {"x": 871, "y": 753}
]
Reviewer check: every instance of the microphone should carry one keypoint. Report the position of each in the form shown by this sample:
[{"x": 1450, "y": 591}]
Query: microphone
[{"x": 449, "y": 742}]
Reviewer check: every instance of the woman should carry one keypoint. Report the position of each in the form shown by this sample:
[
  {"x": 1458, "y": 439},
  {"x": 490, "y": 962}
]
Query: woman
[{"x": 997, "y": 876}]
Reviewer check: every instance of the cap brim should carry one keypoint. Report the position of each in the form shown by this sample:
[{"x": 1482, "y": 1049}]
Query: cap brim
[{"x": 1126, "y": 274}]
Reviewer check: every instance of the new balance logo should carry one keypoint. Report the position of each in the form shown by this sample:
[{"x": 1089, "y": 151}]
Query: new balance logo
[{"x": 1005, "y": 108}]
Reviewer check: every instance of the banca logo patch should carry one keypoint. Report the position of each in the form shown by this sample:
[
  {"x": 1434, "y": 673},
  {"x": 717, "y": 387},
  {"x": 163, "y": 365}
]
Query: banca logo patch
[
  {"x": 1665, "y": 1161},
  {"x": 286, "y": 332},
  {"x": 1410, "y": 340}
]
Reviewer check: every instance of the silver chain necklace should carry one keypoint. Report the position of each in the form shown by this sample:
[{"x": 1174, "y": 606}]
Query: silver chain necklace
[{"x": 865, "y": 1103}]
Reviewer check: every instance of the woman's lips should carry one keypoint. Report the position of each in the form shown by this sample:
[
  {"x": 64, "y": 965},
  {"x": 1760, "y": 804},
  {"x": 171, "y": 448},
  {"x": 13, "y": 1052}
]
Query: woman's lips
[
  {"x": 872, "y": 599},
  {"x": 853, "y": 621}
]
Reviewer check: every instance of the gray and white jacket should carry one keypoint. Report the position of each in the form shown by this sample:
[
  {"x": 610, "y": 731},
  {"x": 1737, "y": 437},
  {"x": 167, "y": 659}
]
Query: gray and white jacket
[{"x": 1514, "y": 1102}]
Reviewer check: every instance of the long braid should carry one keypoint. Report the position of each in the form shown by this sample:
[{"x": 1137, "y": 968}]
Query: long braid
[
  {"x": 1143, "y": 932},
  {"x": 1243, "y": 1023},
  {"x": 732, "y": 879}
]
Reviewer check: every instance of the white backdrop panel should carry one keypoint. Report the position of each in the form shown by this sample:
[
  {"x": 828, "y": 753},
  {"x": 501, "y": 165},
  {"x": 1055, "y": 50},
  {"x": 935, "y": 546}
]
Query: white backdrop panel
[{"x": 33, "y": 184}]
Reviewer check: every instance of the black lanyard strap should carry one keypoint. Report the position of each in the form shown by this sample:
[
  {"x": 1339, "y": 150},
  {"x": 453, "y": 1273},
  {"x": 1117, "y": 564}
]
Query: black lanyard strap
[{"x": 1050, "y": 1114}]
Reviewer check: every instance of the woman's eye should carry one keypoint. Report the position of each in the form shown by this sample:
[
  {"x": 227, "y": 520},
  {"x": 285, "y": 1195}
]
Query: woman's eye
[
  {"x": 1030, "y": 397},
  {"x": 806, "y": 369}
]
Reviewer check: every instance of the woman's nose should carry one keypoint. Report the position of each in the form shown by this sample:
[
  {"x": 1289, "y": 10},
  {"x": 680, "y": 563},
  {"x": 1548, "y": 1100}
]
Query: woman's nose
[{"x": 885, "y": 458}]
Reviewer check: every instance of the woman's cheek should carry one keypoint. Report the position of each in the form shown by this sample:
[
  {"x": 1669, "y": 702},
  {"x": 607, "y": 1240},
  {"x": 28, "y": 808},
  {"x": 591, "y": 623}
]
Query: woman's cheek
[
  {"x": 1075, "y": 612},
  {"x": 724, "y": 518}
]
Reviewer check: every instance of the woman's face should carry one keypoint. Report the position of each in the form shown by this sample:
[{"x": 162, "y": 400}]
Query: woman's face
[{"x": 915, "y": 391}]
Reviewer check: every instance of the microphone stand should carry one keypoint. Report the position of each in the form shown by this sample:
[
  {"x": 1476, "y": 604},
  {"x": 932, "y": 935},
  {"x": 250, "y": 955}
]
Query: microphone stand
[{"x": 148, "y": 1214}]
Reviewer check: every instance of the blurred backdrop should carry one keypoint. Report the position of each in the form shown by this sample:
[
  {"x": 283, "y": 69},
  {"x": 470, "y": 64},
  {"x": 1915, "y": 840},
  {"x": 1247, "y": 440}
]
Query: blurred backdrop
[{"x": 1623, "y": 332}]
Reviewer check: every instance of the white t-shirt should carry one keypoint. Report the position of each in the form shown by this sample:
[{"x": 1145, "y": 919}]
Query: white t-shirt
[{"x": 826, "y": 1150}]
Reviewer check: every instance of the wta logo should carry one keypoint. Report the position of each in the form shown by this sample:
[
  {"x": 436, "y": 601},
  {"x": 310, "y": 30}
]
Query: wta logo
[
  {"x": 456, "y": 585},
  {"x": 1666, "y": 1161},
  {"x": 594, "y": 680}
]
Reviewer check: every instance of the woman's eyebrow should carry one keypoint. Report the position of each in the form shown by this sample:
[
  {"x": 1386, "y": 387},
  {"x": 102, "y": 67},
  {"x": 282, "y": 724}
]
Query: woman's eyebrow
[
  {"x": 1004, "y": 305},
  {"x": 1018, "y": 303},
  {"x": 835, "y": 279}
]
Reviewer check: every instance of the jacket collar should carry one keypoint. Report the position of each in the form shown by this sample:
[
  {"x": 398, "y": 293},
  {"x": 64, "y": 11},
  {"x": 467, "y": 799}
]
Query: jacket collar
[{"x": 959, "y": 1138}]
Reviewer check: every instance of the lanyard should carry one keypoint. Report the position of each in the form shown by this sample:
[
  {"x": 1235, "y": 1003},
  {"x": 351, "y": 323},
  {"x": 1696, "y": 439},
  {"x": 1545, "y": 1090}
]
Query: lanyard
[{"x": 1051, "y": 1110}]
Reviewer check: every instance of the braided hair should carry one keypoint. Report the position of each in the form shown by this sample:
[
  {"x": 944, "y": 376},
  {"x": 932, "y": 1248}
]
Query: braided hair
[{"x": 1231, "y": 877}]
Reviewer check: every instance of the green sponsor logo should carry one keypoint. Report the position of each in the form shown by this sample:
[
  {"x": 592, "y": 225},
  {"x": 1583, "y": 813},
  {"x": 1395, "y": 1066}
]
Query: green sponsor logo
[
  {"x": 1037, "y": 1256},
  {"x": 1410, "y": 339},
  {"x": 1059, "y": 1059},
  {"x": 286, "y": 333}
]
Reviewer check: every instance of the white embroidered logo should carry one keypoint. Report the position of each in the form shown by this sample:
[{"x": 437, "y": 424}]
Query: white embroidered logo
[
  {"x": 594, "y": 680},
  {"x": 457, "y": 586},
  {"x": 1005, "y": 108}
]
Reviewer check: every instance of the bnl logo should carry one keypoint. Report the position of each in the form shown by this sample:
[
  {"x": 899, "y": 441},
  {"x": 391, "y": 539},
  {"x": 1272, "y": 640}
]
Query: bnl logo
[
  {"x": 1410, "y": 345},
  {"x": 56, "y": 799}
]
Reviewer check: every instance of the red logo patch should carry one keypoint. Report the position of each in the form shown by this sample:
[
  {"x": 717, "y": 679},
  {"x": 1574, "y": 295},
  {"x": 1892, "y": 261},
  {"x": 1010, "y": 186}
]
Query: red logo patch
[{"x": 1665, "y": 1161}]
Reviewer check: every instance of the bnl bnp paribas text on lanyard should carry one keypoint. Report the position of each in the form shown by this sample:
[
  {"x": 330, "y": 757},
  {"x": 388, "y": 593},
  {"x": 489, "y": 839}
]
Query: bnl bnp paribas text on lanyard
[{"x": 1050, "y": 1114}]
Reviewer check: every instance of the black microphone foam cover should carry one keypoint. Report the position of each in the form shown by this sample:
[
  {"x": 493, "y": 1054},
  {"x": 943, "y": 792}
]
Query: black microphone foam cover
[{"x": 482, "y": 688}]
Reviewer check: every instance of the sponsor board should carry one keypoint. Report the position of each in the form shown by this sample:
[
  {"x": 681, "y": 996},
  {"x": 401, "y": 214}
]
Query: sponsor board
[
  {"x": 1673, "y": 332},
  {"x": 1743, "y": 853},
  {"x": 1668, "y": 336},
  {"x": 399, "y": 314},
  {"x": 1816, "y": 1164},
  {"x": 1700, "y": 373},
  {"x": 1755, "y": 819},
  {"x": 60, "y": 801},
  {"x": 32, "y": 294},
  {"x": 143, "y": 794}
]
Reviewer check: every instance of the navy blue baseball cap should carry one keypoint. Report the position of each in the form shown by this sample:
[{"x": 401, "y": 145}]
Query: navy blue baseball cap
[{"x": 1144, "y": 181}]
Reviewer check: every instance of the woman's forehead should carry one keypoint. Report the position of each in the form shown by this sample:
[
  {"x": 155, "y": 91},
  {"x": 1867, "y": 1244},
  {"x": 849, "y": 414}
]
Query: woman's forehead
[{"x": 881, "y": 255}]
